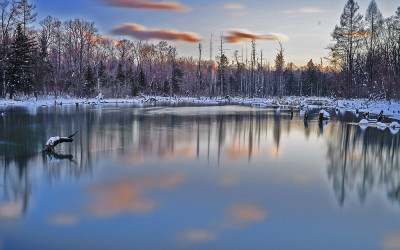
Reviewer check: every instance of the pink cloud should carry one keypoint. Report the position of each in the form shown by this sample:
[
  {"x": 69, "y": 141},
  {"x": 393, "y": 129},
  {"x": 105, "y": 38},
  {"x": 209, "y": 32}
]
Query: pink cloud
[
  {"x": 145, "y": 4},
  {"x": 238, "y": 36},
  {"x": 141, "y": 32}
]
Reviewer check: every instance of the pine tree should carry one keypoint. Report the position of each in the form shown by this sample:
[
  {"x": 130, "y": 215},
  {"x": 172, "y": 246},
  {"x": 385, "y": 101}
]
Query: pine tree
[
  {"x": 290, "y": 80},
  {"x": 177, "y": 77},
  {"x": 166, "y": 87},
  {"x": 90, "y": 82},
  {"x": 142, "y": 80},
  {"x": 22, "y": 77},
  {"x": 346, "y": 37},
  {"x": 310, "y": 79},
  {"x": 43, "y": 68},
  {"x": 374, "y": 21},
  {"x": 222, "y": 81},
  {"x": 120, "y": 75},
  {"x": 130, "y": 77},
  {"x": 279, "y": 67},
  {"x": 102, "y": 77}
]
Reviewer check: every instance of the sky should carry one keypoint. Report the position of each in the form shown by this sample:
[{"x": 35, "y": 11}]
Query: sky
[{"x": 304, "y": 26}]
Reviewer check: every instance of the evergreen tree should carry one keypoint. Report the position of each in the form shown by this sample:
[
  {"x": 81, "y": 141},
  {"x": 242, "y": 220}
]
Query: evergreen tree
[
  {"x": 310, "y": 79},
  {"x": 90, "y": 82},
  {"x": 102, "y": 75},
  {"x": 177, "y": 77},
  {"x": 43, "y": 68},
  {"x": 166, "y": 87},
  {"x": 290, "y": 80},
  {"x": 346, "y": 38},
  {"x": 279, "y": 67},
  {"x": 130, "y": 77},
  {"x": 233, "y": 86},
  {"x": 374, "y": 21},
  {"x": 120, "y": 75},
  {"x": 22, "y": 76},
  {"x": 142, "y": 80},
  {"x": 222, "y": 81}
]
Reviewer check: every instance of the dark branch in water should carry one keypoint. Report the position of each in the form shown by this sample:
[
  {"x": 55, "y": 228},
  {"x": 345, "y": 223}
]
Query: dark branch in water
[
  {"x": 2, "y": 113},
  {"x": 54, "y": 141},
  {"x": 58, "y": 156}
]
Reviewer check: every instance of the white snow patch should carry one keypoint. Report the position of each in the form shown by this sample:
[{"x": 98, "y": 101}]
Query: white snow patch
[
  {"x": 52, "y": 140},
  {"x": 394, "y": 125},
  {"x": 325, "y": 113},
  {"x": 391, "y": 109},
  {"x": 382, "y": 125}
]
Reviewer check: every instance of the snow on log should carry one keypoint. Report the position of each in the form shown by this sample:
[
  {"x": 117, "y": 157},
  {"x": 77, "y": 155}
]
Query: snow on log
[
  {"x": 394, "y": 125},
  {"x": 3, "y": 112},
  {"x": 323, "y": 116},
  {"x": 394, "y": 131},
  {"x": 54, "y": 141},
  {"x": 324, "y": 113},
  {"x": 381, "y": 125}
]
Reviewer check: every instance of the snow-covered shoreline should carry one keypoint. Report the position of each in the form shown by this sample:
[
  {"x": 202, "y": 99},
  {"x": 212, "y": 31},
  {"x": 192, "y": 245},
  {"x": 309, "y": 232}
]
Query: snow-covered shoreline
[{"x": 391, "y": 109}]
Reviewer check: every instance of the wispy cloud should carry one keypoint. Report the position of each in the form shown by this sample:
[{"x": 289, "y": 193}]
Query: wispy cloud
[
  {"x": 141, "y": 32},
  {"x": 233, "y": 6},
  {"x": 238, "y": 36},
  {"x": 304, "y": 10},
  {"x": 146, "y": 4}
]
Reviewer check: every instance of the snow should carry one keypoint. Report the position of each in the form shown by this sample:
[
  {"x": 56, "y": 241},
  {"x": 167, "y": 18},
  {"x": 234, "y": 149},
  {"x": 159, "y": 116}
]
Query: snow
[
  {"x": 391, "y": 109},
  {"x": 394, "y": 125},
  {"x": 99, "y": 97},
  {"x": 394, "y": 130},
  {"x": 381, "y": 125},
  {"x": 52, "y": 140},
  {"x": 364, "y": 122},
  {"x": 325, "y": 113}
]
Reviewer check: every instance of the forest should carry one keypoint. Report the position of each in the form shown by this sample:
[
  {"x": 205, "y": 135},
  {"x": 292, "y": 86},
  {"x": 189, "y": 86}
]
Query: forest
[{"x": 59, "y": 58}]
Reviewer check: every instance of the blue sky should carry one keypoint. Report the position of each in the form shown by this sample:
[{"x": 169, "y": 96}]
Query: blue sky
[{"x": 307, "y": 23}]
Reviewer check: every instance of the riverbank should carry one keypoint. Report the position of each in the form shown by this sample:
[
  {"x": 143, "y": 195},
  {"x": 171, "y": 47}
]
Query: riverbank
[{"x": 391, "y": 109}]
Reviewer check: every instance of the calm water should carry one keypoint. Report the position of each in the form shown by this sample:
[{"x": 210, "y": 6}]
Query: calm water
[{"x": 227, "y": 177}]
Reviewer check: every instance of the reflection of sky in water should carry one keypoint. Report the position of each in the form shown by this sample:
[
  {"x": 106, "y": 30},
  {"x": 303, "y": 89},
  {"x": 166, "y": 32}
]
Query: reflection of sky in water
[{"x": 196, "y": 177}]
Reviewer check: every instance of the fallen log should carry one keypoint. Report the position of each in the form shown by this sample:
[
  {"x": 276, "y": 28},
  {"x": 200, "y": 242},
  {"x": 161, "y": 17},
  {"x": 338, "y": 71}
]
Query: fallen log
[
  {"x": 3, "y": 112},
  {"x": 54, "y": 141}
]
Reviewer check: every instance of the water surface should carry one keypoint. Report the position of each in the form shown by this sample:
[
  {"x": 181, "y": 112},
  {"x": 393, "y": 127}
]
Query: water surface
[{"x": 223, "y": 177}]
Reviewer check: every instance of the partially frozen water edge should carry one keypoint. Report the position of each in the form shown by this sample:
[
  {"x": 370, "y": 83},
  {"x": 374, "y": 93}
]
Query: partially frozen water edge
[{"x": 391, "y": 109}]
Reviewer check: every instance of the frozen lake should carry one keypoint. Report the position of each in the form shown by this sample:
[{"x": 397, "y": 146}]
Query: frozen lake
[{"x": 224, "y": 177}]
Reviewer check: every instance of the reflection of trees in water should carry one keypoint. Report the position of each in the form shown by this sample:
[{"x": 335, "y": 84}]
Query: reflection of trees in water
[
  {"x": 124, "y": 134},
  {"x": 357, "y": 160},
  {"x": 361, "y": 160}
]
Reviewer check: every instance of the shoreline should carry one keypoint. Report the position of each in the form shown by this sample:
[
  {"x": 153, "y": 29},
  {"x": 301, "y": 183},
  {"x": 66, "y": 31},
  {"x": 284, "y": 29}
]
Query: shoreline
[{"x": 391, "y": 110}]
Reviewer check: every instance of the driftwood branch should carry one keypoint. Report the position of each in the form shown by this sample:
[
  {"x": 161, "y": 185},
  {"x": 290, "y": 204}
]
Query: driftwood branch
[
  {"x": 54, "y": 141},
  {"x": 3, "y": 112}
]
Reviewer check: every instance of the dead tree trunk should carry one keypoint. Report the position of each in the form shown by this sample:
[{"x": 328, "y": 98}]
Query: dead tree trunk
[{"x": 54, "y": 141}]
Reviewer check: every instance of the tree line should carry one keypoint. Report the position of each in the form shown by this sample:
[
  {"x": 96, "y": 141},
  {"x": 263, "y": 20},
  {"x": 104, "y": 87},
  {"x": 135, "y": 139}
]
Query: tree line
[
  {"x": 367, "y": 52},
  {"x": 71, "y": 58}
]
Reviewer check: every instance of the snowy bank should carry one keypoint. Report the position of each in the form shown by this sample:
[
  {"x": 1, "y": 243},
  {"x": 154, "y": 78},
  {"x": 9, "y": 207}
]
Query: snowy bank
[{"x": 391, "y": 109}]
